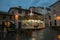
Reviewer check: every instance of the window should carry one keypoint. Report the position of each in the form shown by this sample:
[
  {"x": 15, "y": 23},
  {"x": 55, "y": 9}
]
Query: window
[
  {"x": 55, "y": 22},
  {"x": 19, "y": 11},
  {"x": 4, "y": 17},
  {"x": 49, "y": 17},
  {"x": 12, "y": 11},
  {"x": 7, "y": 24},
  {"x": 54, "y": 10},
  {"x": 45, "y": 18},
  {"x": 1, "y": 16}
]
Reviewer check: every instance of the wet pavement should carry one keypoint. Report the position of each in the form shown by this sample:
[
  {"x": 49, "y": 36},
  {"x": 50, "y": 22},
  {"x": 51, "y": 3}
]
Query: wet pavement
[{"x": 44, "y": 34}]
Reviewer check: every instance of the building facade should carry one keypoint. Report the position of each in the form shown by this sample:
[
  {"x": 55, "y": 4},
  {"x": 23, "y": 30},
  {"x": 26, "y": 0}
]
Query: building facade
[
  {"x": 37, "y": 9},
  {"x": 55, "y": 14},
  {"x": 6, "y": 18},
  {"x": 27, "y": 17},
  {"x": 48, "y": 19},
  {"x": 45, "y": 11}
]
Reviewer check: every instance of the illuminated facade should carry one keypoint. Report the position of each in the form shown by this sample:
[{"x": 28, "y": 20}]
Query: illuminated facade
[
  {"x": 26, "y": 20},
  {"x": 34, "y": 21},
  {"x": 6, "y": 19},
  {"x": 55, "y": 14},
  {"x": 46, "y": 13},
  {"x": 23, "y": 19}
]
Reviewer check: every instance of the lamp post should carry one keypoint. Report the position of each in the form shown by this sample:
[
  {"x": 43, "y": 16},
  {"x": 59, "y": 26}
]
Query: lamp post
[
  {"x": 16, "y": 20},
  {"x": 16, "y": 24}
]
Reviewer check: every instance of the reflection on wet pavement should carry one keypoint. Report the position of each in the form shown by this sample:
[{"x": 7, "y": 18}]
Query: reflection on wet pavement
[{"x": 45, "y": 34}]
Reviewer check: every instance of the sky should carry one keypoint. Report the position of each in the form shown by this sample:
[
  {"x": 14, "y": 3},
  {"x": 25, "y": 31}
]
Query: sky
[{"x": 6, "y": 4}]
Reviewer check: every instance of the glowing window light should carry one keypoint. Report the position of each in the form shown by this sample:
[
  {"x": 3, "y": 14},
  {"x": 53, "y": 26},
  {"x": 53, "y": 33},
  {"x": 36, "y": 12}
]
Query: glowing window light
[
  {"x": 58, "y": 17},
  {"x": 7, "y": 24}
]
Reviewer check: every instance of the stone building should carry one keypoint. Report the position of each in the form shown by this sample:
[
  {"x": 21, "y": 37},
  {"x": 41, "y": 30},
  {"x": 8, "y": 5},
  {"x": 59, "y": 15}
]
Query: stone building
[
  {"x": 45, "y": 11},
  {"x": 5, "y": 18},
  {"x": 47, "y": 18},
  {"x": 36, "y": 9},
  {"x": 55, "y": 14},
  {"x": 28, "y": 18},
  {"x": 24, "y": 15}
]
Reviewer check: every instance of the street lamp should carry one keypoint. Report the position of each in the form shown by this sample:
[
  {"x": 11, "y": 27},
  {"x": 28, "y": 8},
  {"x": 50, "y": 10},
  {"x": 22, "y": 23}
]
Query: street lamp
[
  {"x": 16, "y": 24},
  {"x": 16, "y": 20}
]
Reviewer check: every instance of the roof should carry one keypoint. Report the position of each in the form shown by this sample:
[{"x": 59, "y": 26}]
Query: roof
[
  {"x": 35, "y": 12},
  {"x": 54, "y": 3},
  {"x": 36, "y": 7},
  {"x": 4, "y": 13},
  {"x": 17, "y": 8},
  {"x": 23, "y": 10},
  {"x": 13, "y": 8}
]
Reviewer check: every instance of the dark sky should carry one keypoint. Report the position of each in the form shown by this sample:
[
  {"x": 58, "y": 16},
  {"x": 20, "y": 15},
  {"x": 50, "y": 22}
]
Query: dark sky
[{"x": 6, "y": 4}]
